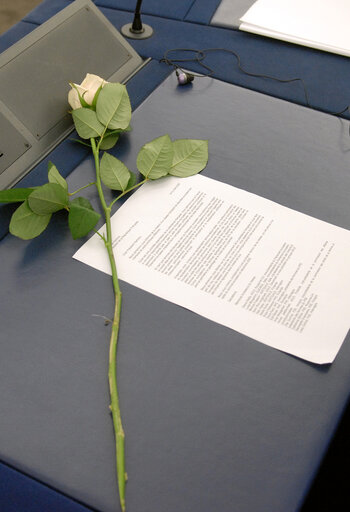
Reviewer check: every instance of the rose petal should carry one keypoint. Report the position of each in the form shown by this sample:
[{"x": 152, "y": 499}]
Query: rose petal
[
  {"x": 73, "y": 96},
  {"x": 91, "y": 83}
]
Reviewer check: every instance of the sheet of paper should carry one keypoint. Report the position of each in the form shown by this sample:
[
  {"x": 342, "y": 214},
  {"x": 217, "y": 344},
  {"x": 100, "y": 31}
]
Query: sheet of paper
[
  {"x": 322, "y": 25},
  {"x": 269, "y": 272}
]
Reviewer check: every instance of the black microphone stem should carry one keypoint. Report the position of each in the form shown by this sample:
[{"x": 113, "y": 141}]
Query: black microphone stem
[
  {"x": 137, "y": 30},
  {"x": 137, "y": 23}
]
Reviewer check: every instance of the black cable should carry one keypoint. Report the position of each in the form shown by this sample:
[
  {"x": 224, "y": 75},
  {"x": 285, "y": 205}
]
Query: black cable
[{"x": 200, "y": 55}]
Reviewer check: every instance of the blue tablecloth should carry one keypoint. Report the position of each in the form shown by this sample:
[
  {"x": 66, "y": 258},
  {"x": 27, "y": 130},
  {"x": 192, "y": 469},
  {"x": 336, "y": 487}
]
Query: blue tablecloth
[{"x": 183, "y": 24}]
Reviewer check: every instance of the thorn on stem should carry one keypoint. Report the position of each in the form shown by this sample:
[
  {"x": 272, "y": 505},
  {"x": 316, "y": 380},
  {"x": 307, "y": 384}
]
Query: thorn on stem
[{"x": 107, "y": 320}]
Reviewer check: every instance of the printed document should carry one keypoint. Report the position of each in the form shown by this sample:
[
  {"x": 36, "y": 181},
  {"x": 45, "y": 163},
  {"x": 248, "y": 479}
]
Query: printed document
[
  {"x": 272, "y": 273},
  {"x": 318, "y": 24}
]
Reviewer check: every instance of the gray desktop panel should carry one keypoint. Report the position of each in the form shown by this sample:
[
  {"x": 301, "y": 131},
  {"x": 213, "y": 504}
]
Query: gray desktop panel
[
  {"x": 16, "y": 144},
  {"x": 214, "y": 420},
  {"x": 34, "y": 82}
]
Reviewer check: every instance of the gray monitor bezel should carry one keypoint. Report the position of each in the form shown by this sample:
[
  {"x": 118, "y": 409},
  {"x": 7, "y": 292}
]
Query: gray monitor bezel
[{"x": 38, "y": 149}]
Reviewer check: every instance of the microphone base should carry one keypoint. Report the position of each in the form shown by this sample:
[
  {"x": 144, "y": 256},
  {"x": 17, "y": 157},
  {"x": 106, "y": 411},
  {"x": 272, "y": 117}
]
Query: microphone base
[{"x": 145, "y": 33}]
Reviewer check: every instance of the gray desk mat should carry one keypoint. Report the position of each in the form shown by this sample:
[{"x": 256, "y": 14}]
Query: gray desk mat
[
  {"x": 214, "y": 420},
  {"x": 229, "y": 12}
]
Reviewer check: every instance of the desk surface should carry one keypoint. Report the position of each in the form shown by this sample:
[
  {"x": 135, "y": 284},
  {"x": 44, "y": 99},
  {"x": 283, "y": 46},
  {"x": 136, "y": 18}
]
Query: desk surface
[{"x": 214, "y": 421}]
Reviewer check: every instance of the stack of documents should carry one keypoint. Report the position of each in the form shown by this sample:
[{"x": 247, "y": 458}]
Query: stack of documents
[{"x": 318, "y": 24}]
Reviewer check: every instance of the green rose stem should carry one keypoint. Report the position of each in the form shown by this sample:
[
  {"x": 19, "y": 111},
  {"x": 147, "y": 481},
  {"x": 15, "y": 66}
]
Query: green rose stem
[
  {"x": 112, "y": 372},
  {"x": 155, "y": 160},
  {"x": 101, "y": 123}
]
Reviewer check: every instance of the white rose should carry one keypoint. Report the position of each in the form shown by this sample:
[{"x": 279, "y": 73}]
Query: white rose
[{"x": 87, "y": 89}]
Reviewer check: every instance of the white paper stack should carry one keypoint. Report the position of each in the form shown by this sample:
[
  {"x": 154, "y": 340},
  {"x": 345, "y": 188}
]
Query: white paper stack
[{"x": 321, "y": 24}]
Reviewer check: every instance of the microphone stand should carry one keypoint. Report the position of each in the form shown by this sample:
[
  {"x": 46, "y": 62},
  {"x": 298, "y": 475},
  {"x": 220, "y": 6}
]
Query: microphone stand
[{"x": 137, "y": 30}]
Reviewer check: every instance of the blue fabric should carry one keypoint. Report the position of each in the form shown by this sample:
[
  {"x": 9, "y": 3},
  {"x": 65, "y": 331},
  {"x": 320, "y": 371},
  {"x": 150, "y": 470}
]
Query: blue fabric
[
  {"x": 251, "y": 394},
  {"x": 45, "y": 10},
  {"x": 172, "y": 10},
  {"x": 146, "y": 80},
  {"x": 14, "y": 34},
  {"x": 202, "y": 11},
  {"x": 19, "y": 492},
  {"x": 326, "y": 75}
]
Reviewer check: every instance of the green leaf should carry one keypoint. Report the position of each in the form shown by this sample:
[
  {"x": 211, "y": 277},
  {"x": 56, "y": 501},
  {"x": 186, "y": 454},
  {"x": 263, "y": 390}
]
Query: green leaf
[
  {"x": 15, "y": 195},
  {"x": 48, "y": 198},
  {"x": 55, "y": 176},
  {"x": 132, "y": 180},
  {"x": 114, "y": 173},
  {"x": 82, "y": 217},
  {"x": 113, "y": 107},
  {"x": 26, "y": 224},
  {"x": 94, "y": 101},
  {"x": 155, "y": 158},
  {"x": 111, "y": 137},
  {"x": 190, "y": 157},
  {"x": 86, "y": 123},
  {"x": 109, "y": 140}
]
